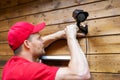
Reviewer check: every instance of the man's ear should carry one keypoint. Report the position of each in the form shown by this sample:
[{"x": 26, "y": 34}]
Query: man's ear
[{"x": 27, "y": 44}]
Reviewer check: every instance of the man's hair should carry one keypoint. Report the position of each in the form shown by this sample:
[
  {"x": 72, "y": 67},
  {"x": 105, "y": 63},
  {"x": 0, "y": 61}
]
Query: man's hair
[{"x": 19, "y": 49}]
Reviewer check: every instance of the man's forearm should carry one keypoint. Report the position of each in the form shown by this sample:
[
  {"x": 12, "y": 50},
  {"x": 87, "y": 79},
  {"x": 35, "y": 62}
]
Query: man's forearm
[
  {"x": 78, "y": 62},
  {"x": 47, "y": 40}
]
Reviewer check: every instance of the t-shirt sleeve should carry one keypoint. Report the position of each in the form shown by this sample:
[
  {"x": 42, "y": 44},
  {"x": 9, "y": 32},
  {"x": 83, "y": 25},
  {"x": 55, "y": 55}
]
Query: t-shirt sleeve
[{"x": 39, "y": 71}]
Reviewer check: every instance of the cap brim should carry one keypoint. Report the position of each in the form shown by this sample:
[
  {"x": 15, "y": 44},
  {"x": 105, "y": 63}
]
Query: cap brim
[{"x": 39, "y": 27}]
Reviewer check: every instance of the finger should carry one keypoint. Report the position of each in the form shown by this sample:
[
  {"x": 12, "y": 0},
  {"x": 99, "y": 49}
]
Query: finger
[
  {"x": 75, "y": 26},
  {"x": 80, "y": 34},
  {"x": 83, "y": 24}
]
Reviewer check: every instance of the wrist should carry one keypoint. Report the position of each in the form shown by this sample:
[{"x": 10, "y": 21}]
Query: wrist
[{"x": 73, "y": 38}]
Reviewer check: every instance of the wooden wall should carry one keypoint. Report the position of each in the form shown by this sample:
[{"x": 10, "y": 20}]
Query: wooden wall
[{"x": 101, "y": 46}]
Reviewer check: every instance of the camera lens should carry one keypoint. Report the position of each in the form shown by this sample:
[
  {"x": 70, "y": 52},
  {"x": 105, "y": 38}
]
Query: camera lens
[{"x": 81, "y": 17}]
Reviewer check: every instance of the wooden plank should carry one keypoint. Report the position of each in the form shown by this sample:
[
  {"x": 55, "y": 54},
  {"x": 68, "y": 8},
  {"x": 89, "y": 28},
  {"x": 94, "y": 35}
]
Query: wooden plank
[
  {"x": 3, "y": 60},
  {"x": 65, "y": 15},
  {"x": 3, "y": 36},
  {"x": 48, "y": 5},
  {"x": 23, "y": 2},
  {"x": 7, "y": 3},
  {"x": 5, "y": 49},
  {"x": 4, "y": 26},
  {"x": 105, "y": 76},
  {"x": 40, "y": 6},
  {"x": 104, "y": 44},
  {"x": 12, "y": 3},
  {"x": 96, "y": 27},
  {"x": 0, "y": 74},
  {"x": 104, "y": 63},
  {"x": 104, "y": 26}
]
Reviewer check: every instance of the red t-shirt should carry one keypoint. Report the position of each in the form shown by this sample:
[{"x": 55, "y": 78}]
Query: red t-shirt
[{"x": 18, "y": 68}]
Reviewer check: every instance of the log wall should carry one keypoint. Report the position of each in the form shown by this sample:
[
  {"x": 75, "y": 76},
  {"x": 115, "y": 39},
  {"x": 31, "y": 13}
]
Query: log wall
[{"x": 101, "y": 46}]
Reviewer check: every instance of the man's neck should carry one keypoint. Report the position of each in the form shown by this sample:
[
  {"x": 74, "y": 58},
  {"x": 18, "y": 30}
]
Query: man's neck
[{"x": 28, "y": 57}]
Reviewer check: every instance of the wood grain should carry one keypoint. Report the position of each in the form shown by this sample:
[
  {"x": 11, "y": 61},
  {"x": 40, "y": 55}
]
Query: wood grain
[
  {"x": 104, "y": 44},
  {"x": 55, "y": 17},
  {"x": 38, "y": 6},
  {"x": 104, "y": 63},
  {"x": 11, "y": 3},
  {"x": 0, "y": 74},
  {"x": 3, "y": 60},
  {"x": 105, "y": 76},
  {"x": 104, "y": 26},
  {"x": 65, "y": 15},
  {"x": 5, "y": 49},
  {"x": 3, "y": 36}
]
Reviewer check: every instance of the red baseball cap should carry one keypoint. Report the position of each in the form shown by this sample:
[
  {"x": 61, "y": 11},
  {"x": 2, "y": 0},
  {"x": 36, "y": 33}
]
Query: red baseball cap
[{"x": 20, "y": 31}]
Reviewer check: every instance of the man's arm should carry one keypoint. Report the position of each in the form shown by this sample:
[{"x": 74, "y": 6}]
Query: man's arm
[
  {"x": 78, "y": 67},
  {"x": 47, "y": 40}
]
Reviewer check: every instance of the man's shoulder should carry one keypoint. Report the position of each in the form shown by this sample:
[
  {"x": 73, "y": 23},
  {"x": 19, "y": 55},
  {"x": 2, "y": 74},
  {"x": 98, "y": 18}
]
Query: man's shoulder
[{"x": 26, "y": 69}]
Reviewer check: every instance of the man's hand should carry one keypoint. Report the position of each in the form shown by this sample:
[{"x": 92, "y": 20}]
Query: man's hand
[{"x": 71, "y": 31}]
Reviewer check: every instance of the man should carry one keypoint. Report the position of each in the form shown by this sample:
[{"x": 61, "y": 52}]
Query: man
[{"x": 28, "y": 45}]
